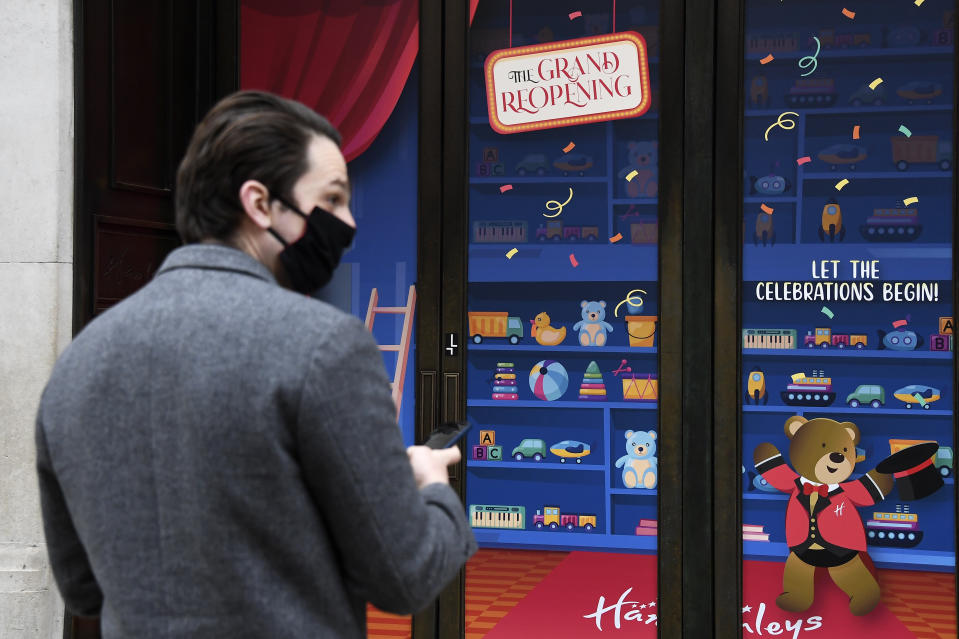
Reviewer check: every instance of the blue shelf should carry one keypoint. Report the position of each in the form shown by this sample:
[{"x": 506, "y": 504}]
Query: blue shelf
[
  {"x": 542, "y": 179},
  {"x": 635, "y": 200},
  {"x": 549, "y": 262},
  {"x": 766, "y": 496},
  {"x": 876, "y": 175},
  {"x": 535, "y": 465},
  {"x": 912, "y": 262},
  {"x": 799, "y": 410},
  {"x": 769, "y": 199},
  {"x": 897, "y": 558},
  {"x": 867, "y": 52},
  {"x": 846, "y": 352},
  {"x": 633, "y": 492},
  {"x": 562, "y": 348},
  {"x": 852, "y": 110},
  {"x": 520, "y": 403},
  {"x": 550, "y": 540}
]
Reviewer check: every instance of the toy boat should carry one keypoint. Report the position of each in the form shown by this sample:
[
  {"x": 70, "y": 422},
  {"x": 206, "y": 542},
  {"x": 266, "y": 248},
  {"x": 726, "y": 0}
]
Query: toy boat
[{"x": 809, "y": 391}]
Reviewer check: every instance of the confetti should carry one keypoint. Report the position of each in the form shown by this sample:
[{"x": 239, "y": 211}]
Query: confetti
[
  {"x": 810, "y": 60},
  {"x": 575, "y": 14},
  {"x": 631, "y": 175},
  {"x": 803, "y": 160},
  {"x": 769, "y": 58},
  {"x": 616, "y": 238},
  {"x": 849, "y": 14},
  {"x": 855, "y": 132},
  {"x": 766, "y": 209},
  {"x": 918, "y": 3},
  {"x": 825, "y": 311},
  {"x": 510, "y": 253},
  {"x": 569, "y": 147},
  {"x": 572, "y": 260},
  {"x": 841, "y": 183},
  {"x": 899, "y": 323},
  {"x": 505, "y": 188},
  {"x": 875, "y": 83},
  {"x": 909, "y": 201},
  {"x": 635, "y": 301},
  {"x": 905, "y": 131},
  {"x": 556, "y": 205},
  {"x": 780, "y": 122}
]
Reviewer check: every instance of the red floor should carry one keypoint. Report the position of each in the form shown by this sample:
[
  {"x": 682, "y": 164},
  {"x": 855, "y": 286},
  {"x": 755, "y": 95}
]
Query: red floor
[{"x": 499, "y": 579}]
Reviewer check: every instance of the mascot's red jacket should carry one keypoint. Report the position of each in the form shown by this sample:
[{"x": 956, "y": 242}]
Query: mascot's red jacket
[{"x": 835, "y": 518}]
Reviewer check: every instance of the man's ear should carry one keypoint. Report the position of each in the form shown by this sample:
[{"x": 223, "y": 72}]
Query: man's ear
[
  {"x": 853, "y": 431},
  {"x": 254, "y": 198},
  {"x": 793, "y": 424}
]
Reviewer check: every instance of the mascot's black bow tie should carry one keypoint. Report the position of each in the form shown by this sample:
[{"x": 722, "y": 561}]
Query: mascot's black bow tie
[{"x": 809, "y": 489}]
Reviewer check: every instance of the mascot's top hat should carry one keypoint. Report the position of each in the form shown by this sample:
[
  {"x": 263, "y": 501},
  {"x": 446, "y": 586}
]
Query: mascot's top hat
[{"x": 916, "y": 475}]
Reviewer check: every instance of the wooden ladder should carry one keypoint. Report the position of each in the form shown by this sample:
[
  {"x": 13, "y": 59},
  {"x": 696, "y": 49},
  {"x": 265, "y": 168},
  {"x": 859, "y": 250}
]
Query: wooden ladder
[{"x": 402, "y": 349}]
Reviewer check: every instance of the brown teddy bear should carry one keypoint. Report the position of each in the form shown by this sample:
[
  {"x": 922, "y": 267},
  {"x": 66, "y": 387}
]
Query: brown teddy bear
[{"x": 823, "y": 527}]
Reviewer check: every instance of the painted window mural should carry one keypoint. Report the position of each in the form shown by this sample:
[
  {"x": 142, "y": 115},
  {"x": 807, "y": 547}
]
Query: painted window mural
[
  {"x": 562, "y": 374},
  {"x": 847, "y": 327}
]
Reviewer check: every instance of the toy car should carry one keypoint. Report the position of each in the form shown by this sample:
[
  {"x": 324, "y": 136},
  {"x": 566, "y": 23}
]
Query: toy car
[
  {"x": 535, "y": 448},
  {"x": 846, "y": 154},
  {"x": 769, "y": 185},
  {"x": 870, "y": 394},
  {"x": 943, "y": 461},
  {"x": 573, "y": 163},
  {"x": 865, "y": 95},
  {"x": 919, "y": 90},
  {"x": 918, "y": 394},
  {"x": 533, "y": 163},
  {"x": 570, "y": 449}
]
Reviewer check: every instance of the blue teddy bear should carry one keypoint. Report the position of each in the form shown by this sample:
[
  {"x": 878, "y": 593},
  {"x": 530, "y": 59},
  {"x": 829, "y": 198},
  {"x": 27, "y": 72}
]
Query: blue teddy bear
[
  {"x": 640, "y": 466},
  {"x": 593, "y": 327}
]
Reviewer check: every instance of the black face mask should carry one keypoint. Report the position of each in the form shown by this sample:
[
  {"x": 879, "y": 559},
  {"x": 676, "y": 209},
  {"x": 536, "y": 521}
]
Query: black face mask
[{"x": 310, "y": 261}]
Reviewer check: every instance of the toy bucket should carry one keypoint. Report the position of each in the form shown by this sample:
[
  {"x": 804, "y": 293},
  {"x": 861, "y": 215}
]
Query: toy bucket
[
  {"x": 638, "y": 389},
  {"x": 641, "y": 329}
]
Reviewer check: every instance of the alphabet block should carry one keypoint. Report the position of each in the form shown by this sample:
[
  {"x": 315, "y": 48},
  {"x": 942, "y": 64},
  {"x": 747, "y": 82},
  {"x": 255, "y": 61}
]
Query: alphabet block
[
  {"x": 483, "y": 169},
  {"x": 487, "y": 437},
  {"x": 494, "y": 453},
  {"x": 945, "y": 326},
  {"x": 939, "y": 342},
  {"x": 491, "y": 154},
  {"x": 479, "y": 453}
]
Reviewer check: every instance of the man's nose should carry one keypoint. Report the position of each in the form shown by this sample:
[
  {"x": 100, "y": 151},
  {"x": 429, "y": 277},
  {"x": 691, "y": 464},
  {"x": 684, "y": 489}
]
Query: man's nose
[{"x": 836, "y": 458}]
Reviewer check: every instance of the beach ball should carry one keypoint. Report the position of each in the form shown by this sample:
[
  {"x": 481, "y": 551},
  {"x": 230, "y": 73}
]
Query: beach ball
[{"x": 548, "y": 380}]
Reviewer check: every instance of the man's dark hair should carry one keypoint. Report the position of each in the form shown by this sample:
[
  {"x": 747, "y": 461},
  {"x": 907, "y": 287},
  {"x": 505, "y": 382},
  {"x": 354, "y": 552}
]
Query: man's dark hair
[{"x": 249, "y": 135}]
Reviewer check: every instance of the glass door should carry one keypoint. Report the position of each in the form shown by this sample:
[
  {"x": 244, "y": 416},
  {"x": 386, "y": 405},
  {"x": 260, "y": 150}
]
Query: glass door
[
  {"x": 847, "y": 317},
  {"x": 563, "y": 314}
]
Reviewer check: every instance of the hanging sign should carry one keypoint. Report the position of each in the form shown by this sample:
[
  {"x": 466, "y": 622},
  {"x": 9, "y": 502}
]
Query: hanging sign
[{"x": 544, "y": 86}]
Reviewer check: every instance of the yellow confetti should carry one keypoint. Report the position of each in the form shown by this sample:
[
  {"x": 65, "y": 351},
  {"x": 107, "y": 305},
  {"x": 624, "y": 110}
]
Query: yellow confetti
[
  {"x": 875, "y": 83},
  {"x": 511, "y": 253},
  {"x": 631, "y": 175},
  {"x": 841, "y": 183},
  {"x": 782, "y": 123},
  {"x": 919, "y": 2},
  {"x": 911, "y": 200}
]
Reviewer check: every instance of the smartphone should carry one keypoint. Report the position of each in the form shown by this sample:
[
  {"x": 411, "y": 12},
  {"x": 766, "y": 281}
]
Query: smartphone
[{"x": 447, "y": 434}]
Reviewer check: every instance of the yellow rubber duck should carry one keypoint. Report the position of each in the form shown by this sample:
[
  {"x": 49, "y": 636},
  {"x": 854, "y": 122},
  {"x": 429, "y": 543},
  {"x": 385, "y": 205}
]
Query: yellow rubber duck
[{"x": 546, "y": 334}]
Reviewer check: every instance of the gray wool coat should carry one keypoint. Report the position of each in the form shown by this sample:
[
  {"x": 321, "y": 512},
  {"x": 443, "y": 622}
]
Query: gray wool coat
[{"x": 219, "y": 457}]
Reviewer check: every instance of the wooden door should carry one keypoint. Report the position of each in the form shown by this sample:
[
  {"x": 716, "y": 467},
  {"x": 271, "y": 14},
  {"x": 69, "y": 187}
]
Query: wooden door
[{"x": 146, "y": 72}]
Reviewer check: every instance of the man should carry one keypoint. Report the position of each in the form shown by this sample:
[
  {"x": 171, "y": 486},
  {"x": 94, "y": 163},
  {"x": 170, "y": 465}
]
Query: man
[{"x": 219, "y": 456}]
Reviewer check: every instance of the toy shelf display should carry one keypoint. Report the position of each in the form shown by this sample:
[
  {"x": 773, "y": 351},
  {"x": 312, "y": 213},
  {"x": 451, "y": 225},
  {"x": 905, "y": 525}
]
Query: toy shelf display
[{"x": 863, "y": 176}]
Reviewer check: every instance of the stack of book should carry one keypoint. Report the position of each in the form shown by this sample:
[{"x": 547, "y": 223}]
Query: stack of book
[
  {"x": 504, "y": 381},
  {"x": 754, "y": 532},
  {"x": 593, "y": 387},
  {"x": 646, "y": 528}
]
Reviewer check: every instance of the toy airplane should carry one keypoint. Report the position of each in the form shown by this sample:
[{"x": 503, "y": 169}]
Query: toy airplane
[{"x": 570, "y": 449}]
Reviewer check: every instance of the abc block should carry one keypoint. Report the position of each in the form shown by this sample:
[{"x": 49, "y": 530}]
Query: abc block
[
  {"x": 939, "y": 342},
  {"x": 945, "y": 326},
  {"x": 494, "y": 453},
  {"x": 487, "y": 437},
  {"x": 479, "y": 452}
]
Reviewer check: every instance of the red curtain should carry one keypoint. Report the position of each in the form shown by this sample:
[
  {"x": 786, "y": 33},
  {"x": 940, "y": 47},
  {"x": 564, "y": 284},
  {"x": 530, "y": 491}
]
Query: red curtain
[{"x": 347, "y": 59}]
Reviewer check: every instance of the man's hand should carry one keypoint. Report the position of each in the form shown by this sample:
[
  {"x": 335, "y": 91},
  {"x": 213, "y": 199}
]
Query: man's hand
[{"x": 429, "y": 465}]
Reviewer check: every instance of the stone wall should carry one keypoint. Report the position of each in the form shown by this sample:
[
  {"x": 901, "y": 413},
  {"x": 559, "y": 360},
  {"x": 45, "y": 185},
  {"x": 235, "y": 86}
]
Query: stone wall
[{"x": 36, "y": 281}]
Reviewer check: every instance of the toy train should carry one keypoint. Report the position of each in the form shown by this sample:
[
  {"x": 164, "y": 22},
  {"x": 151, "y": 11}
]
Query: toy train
[
  {"x": 556, "y": 231},
  {"x": 552, "y": 518},
  {"x": 814, "y": 390},
  {"x": 487, "y": 516},
  {"x": 898, "y": 530},
  {"x": 824, "y": 338}
]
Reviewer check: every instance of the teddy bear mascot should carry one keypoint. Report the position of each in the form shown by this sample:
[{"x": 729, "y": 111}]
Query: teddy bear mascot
[{"x": 823, "y": 527}]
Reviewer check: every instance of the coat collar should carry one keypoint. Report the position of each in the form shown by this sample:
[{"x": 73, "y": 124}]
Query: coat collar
[{"x": 215, "y": 257}]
